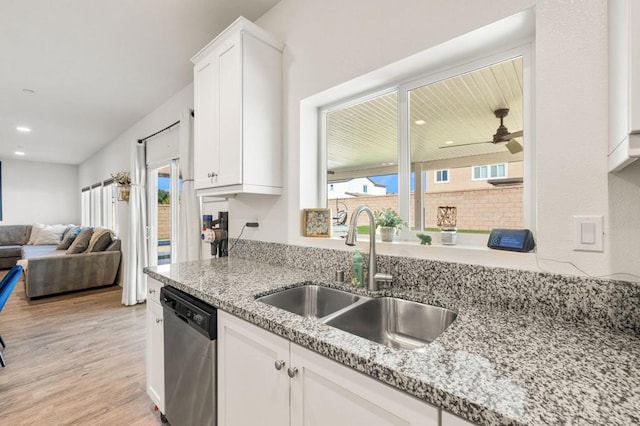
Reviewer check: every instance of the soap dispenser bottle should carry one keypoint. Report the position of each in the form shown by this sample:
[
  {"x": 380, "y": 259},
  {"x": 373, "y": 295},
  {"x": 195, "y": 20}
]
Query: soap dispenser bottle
[{"x": 357, "y": 276}]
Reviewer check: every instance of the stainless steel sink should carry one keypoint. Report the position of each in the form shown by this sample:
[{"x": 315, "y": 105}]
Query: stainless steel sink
[
  {"x": 393, "y": 322},
  {"x": 310, "y": 300}
]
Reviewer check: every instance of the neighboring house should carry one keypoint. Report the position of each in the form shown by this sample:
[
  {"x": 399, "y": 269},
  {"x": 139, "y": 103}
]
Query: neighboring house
[{"x": 354, "y": 188}]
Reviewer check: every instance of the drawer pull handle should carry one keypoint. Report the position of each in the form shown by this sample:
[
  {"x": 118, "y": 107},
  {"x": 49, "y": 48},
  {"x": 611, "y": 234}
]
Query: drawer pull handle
[
  {"x": 279, "y": 364},
  {"x": 158, "y": 320},
  {"x": 151, "y": 291},
  {"x": 292, "y": 372}
]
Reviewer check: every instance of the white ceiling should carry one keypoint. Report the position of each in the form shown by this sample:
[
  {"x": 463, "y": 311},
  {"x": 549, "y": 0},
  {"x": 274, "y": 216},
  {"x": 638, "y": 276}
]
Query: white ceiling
[
  {"x": 459, "y": 109},
  {"x": 97, "y": 67}
]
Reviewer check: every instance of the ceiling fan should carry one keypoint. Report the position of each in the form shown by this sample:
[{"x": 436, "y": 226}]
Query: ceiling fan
[{"x": 502, "y": 135}]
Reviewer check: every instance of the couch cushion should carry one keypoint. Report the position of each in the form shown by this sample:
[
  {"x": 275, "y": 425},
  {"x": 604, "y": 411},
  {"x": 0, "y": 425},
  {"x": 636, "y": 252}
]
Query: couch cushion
[
  {"x": 50, "y": 234},
  {"x": 35, "y": 230},
  {"x": 31, "y": 252},
  {"x": 100, "y": 240},
  {"x": 69, "y": 236},
  {"x": 14, "y": 234},
  {"x": 81, "y": 243},
  {"x": 114, "y": 246},
  {"x": 10, "y": 251}
]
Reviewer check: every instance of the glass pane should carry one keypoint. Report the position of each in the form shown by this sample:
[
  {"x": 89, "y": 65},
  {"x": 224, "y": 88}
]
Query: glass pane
[
  {"x": 454, "y": 124},
  {"x": 362, "y": 151}
]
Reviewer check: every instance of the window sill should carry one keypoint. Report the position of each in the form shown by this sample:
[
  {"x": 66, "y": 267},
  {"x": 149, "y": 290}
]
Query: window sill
[{"x": 476, "y": 254}]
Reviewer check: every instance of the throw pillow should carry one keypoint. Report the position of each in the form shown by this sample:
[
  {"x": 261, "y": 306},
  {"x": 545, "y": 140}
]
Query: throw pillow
[
  {"x": 69, "y": 237},
  {"x": 50, "y": 234},
  {"x": 115, "y": 246},
  {"x": 81, "y": 243},
  {"x": 35, "y": 230},
  {"x": 100, "y": 240}
]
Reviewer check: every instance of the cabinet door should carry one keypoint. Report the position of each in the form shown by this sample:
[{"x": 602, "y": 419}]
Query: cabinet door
[
  {"x": 206, "y": 154},
  {"x": 251, "y": 391},
  {"x": 326, "y": 393},
  {"x": 155, "y": 354},
  {"x": 451, "y": 420},
  {"x": 227, "y": 114}
]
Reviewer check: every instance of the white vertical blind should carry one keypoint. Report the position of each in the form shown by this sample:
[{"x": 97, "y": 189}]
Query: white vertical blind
[
  {"x": 109, "y": 191},
  {"x": 96, "y": 205},
  {"x": 85, "y": 200}
]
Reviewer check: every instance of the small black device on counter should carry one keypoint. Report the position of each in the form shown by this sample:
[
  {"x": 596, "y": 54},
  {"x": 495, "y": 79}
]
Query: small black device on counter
[{"x": 511, "y": 239}]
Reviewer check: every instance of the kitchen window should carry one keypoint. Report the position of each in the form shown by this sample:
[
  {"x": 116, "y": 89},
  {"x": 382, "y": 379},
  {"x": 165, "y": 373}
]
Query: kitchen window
[{"x": 460, "y": 123}]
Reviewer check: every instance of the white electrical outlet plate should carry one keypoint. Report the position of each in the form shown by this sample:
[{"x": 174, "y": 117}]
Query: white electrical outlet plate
[{"x": 588, "y": 233}]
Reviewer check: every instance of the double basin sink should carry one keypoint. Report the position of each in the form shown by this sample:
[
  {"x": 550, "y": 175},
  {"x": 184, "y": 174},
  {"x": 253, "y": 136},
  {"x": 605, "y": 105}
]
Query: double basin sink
[{"x": 397, "y": 323}]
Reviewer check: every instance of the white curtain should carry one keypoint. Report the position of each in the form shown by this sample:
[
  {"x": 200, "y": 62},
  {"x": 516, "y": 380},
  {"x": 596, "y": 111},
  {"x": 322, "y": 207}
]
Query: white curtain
[
  {"x": 135, "y": 285},
  {"x": 189, "y": 219}
]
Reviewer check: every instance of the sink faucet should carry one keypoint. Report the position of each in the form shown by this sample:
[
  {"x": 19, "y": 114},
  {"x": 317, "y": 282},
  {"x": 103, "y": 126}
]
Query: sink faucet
[{"x": 374, "y": 277}]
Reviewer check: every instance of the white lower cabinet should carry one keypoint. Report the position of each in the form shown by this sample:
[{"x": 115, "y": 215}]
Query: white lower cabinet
[
  {"x": 264, "y": 379},
  {"x": 155, "y": 344},
  {"x": 250, "y": 389}
]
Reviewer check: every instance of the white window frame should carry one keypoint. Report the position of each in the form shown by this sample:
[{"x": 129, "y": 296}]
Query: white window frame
[
  {"x": 488, "y": 167},
  {"x": 436, "y": 63},
  {"x": 435, "y": 176}
]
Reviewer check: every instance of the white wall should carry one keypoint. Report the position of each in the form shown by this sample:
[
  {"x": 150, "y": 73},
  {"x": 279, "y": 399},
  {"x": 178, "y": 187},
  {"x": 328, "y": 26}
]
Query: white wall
[
  {"x": 116, "y": 156},
  {"x": 333, "y": 41},
  {"x": 39, "y": 192}
]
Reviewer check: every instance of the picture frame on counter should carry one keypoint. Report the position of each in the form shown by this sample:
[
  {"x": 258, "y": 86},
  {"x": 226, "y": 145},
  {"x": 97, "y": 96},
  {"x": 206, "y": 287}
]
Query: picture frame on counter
[{"x": 316, "y": 223}]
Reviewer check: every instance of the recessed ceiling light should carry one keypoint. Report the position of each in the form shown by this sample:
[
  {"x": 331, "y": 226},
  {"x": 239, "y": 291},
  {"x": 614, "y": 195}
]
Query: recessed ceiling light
[
  {"x": 28, "y": 91},
  {"x": 18, "y": 152},
  {"x": 420, "y": 122},
  {"x": 448, "y": 143},
  {"x": 23, "y": 129}
]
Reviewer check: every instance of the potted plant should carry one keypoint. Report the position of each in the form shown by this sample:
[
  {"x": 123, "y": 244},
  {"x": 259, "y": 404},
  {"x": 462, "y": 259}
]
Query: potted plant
[
  {"x": 124, "y": 184},
  {"x": 388, "y": 221}
]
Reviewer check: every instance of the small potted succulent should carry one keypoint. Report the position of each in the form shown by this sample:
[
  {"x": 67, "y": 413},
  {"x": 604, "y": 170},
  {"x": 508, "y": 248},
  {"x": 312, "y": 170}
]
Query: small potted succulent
[{"x": 388, "y": 221}]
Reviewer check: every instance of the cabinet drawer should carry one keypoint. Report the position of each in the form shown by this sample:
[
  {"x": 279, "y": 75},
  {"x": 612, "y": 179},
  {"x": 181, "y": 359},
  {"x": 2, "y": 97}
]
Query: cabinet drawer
[{"x": 153, "y": 290}]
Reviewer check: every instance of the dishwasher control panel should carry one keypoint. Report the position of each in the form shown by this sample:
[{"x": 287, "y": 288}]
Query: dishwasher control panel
[{"x": 197, "y": 313}]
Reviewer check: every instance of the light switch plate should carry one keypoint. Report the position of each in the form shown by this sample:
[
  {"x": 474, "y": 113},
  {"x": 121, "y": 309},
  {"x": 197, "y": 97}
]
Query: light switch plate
[{"x": 588, "y": 233}]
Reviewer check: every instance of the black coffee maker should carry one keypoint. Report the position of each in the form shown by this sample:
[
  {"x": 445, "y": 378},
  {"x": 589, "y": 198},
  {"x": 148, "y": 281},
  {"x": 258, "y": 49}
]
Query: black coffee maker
[{"x": 220, "y": 231}]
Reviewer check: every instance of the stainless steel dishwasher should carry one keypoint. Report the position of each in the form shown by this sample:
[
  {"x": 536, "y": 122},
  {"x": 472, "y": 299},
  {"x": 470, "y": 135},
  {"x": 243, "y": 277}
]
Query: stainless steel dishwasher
[{"x": 190, "y": 327}]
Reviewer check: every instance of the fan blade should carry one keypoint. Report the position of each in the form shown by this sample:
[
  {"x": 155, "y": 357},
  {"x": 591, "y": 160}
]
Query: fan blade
[
  {"x": 514, "y": 146},
  {"x": 515, "y": 134},
  {"x": 463, "y": 144}
]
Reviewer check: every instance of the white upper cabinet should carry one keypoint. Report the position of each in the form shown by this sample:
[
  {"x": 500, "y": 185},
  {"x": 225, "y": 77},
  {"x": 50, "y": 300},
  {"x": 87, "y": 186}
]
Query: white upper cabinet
[
  {"x": 624, "y": 83},
  {"x": 237, "y": 100}
]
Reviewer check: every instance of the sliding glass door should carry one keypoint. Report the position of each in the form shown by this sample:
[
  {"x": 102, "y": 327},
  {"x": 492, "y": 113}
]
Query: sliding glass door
[{"x": 164, "y": 182}]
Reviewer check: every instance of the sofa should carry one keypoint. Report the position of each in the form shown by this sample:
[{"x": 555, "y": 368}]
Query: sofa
[{"x": 49, "y": 269}]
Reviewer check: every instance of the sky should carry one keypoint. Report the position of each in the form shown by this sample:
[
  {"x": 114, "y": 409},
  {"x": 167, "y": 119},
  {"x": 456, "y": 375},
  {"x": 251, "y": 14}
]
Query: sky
[{"x": 392, "y": 182}]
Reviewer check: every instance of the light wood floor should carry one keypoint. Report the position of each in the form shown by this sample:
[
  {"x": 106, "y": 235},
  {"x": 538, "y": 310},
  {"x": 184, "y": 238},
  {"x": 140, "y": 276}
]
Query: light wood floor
[{"x": 75, "y": 359}]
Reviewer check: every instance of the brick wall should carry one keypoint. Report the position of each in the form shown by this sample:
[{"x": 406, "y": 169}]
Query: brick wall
[{"x": 477, "y": 209}]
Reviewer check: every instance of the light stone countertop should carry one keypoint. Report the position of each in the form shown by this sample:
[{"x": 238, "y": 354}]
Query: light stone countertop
[{"x": 491, "y": 367}]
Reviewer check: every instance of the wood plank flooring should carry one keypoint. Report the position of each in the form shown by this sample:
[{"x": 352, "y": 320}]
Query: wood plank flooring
[{"x": 76, "y": 359}]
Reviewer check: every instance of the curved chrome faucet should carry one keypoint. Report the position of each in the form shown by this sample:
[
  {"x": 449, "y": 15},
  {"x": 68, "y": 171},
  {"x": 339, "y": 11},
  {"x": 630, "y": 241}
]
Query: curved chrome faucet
[{"x": 374, "y": 277}]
